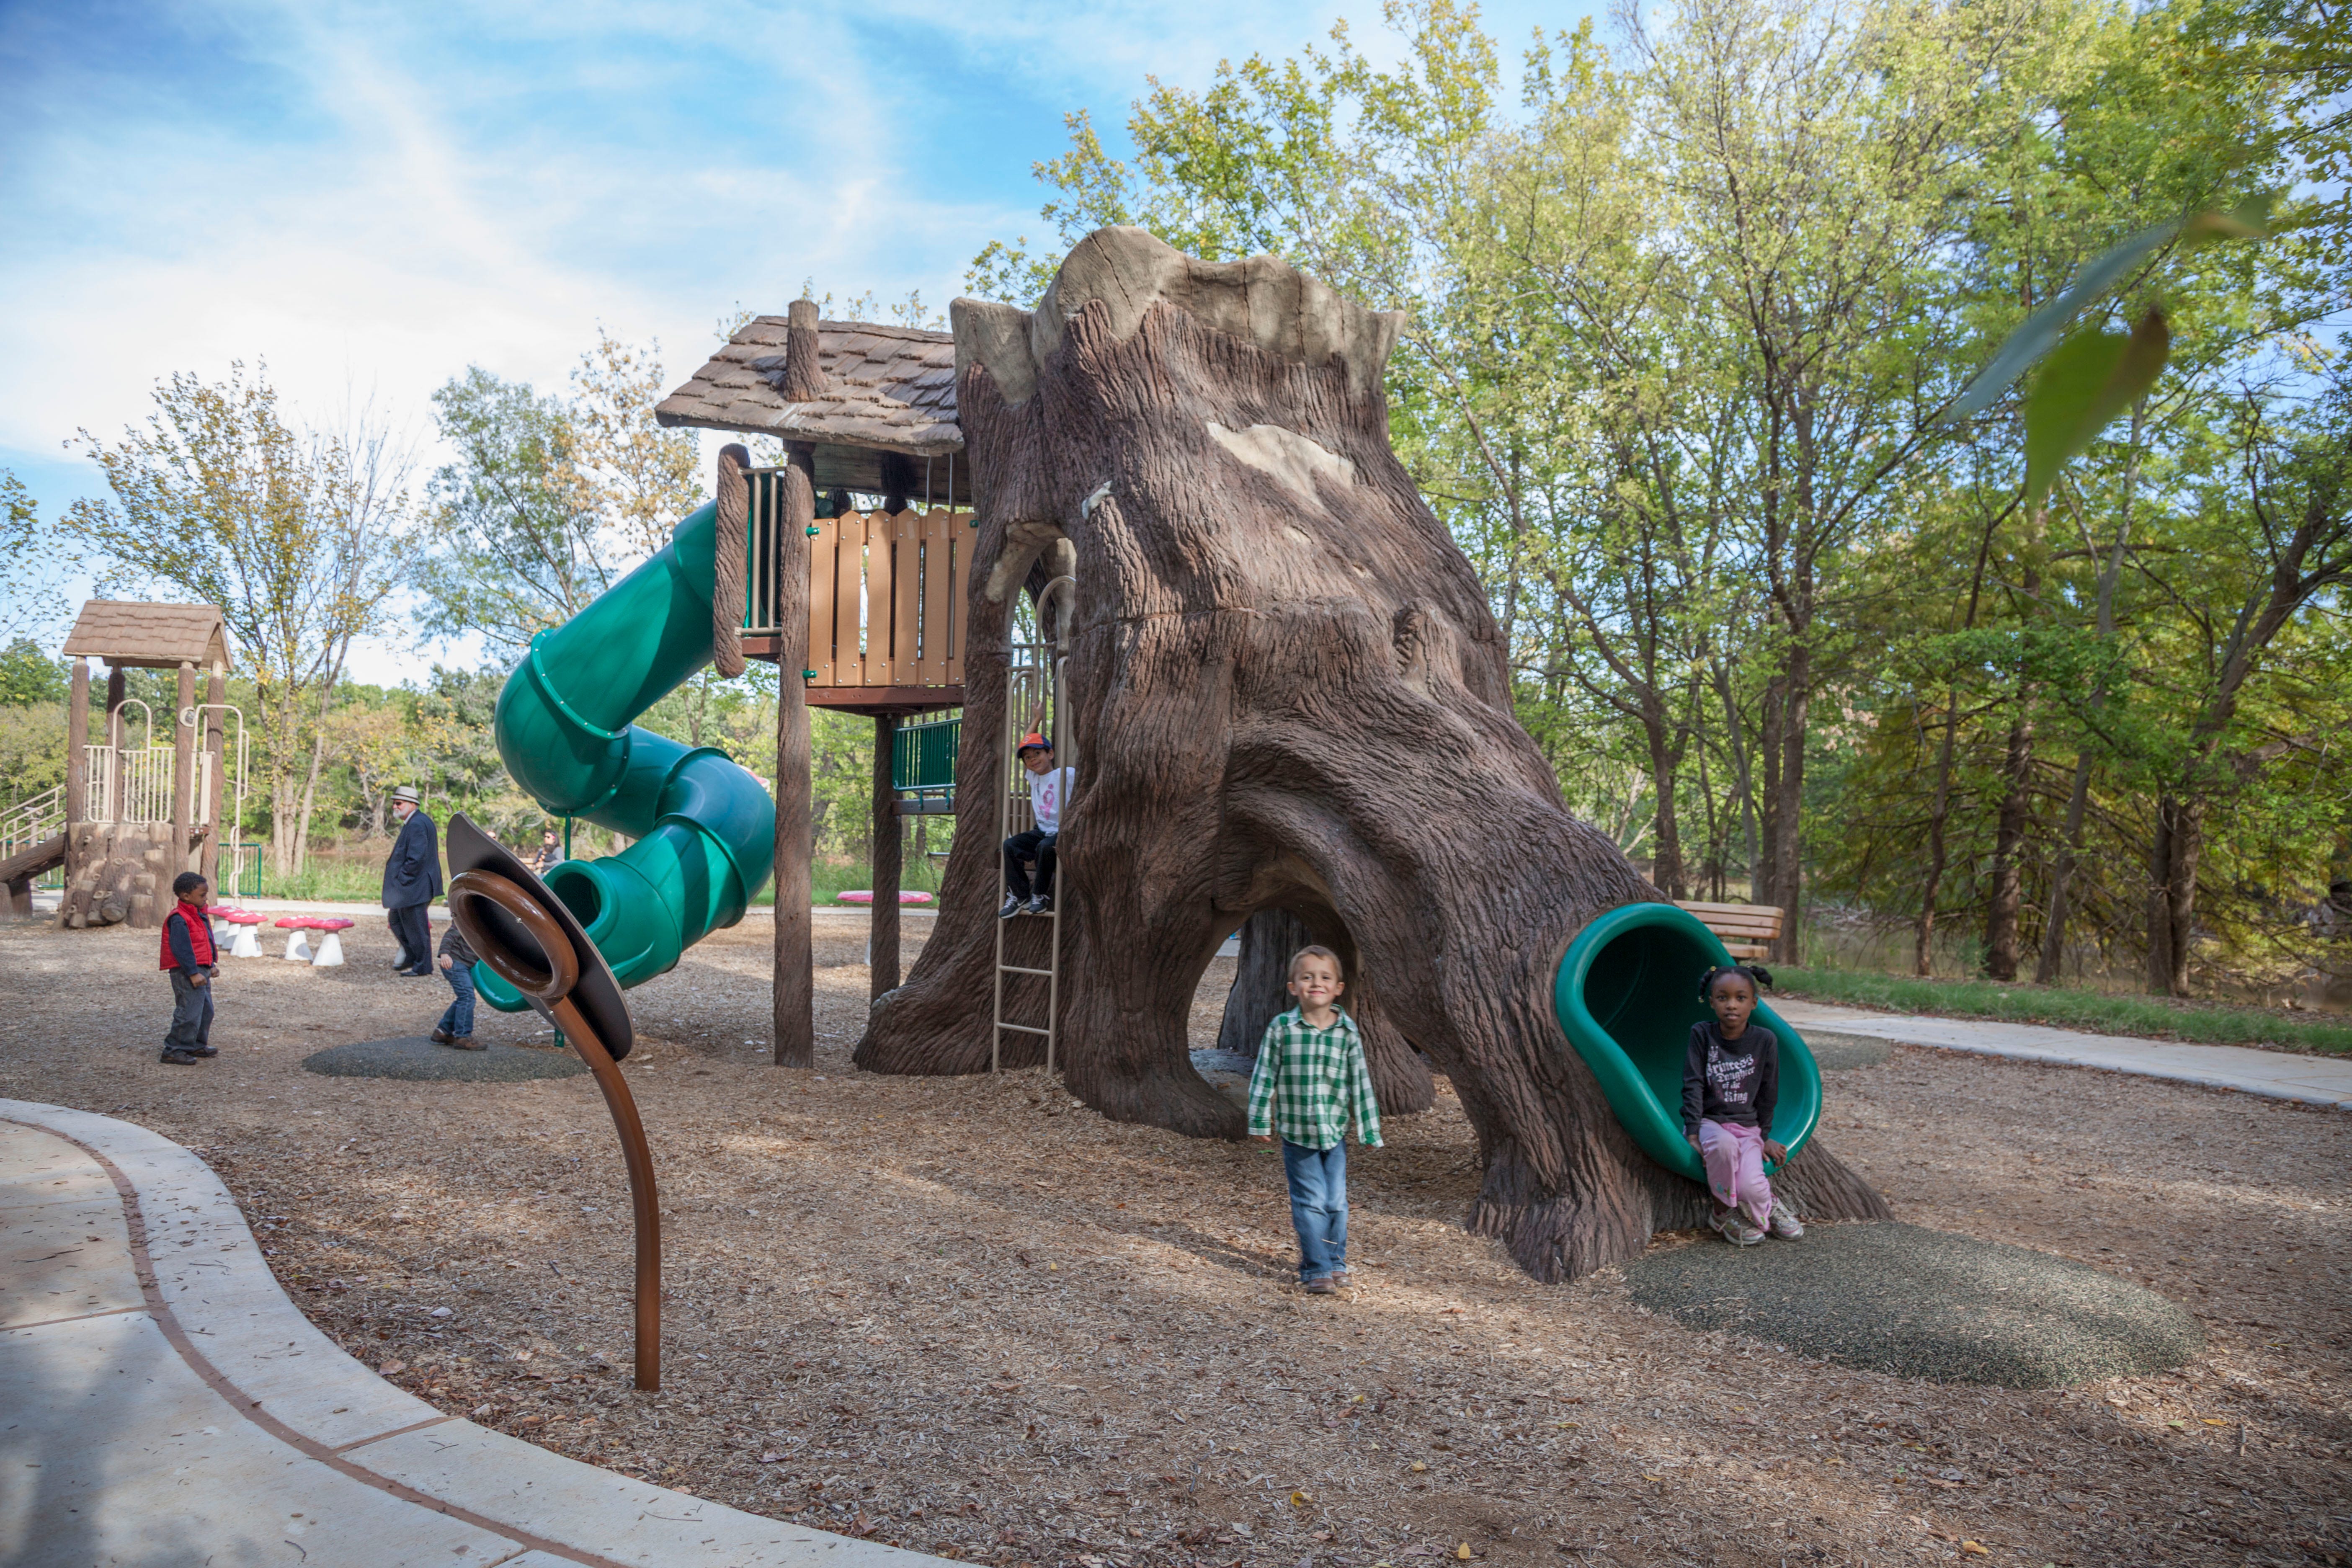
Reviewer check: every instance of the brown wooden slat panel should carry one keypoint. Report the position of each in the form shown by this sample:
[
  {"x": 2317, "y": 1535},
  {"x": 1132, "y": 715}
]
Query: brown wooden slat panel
[
  {"x": 1696, "y": 908},
  {"x": 906, "y": 607},
  {"x": 881, "y": 599},
  {"x": 825, "y": 568},
  {"x": 959, "y": 593},
  {"x": 1747, "y": 950},
  {"x": 1725, "y": 922},
  {"x": 850, "y": 618},
  {"x": 931, "y": 666}
]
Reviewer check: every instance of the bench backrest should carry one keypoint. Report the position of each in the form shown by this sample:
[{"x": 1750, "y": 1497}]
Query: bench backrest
[{"x": 1748, "y": 931}]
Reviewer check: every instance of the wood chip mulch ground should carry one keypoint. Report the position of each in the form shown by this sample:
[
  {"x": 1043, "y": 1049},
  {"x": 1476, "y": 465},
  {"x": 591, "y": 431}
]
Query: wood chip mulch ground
[{"x": 974, "y": 1318}]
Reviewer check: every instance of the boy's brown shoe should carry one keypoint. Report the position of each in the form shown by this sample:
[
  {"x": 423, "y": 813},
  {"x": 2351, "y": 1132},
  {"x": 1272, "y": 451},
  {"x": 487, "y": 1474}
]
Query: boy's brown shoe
[
  {"x": 442, "y": 1037},
  {"x": 1326, "y": 1286},
  {"x": 179, "y": 1058},
  {"x": 467, "y": 1043}
]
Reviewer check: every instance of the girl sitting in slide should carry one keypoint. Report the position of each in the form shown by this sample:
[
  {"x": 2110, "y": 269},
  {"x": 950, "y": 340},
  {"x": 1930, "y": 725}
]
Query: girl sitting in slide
[{"x": 1731, "y": 1085}]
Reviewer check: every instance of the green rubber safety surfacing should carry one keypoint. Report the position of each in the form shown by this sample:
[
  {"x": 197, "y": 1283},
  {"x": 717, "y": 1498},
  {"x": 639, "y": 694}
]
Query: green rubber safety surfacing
[
  {"x": 1923, "y": 1303},
  {"x": 418, "y": 1060}
]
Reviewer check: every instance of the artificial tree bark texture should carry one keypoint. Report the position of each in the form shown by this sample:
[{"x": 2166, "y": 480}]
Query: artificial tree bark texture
[{"x": 1285, "y": 690}]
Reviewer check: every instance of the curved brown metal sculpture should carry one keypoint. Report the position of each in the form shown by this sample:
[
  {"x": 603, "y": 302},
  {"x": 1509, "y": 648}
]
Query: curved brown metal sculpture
[{"x": 536, "y": 946}]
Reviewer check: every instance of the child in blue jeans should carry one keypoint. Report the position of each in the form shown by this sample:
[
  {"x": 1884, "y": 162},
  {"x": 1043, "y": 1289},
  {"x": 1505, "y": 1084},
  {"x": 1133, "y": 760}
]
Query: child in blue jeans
[
  {"x": 457, "y": 961},
  {"x": 1310, "y": 1077}
]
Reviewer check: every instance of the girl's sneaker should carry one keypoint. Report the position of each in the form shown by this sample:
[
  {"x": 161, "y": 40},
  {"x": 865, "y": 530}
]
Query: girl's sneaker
[
  {"x": 1784, "y": 1222},
  {"x": 1733, "y": 1226}
]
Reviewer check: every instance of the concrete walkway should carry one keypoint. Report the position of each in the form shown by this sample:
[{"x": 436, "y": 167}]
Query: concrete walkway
[
  {"x": 161, "y": 1402},
  {"x": 2279, "y": 1075}
]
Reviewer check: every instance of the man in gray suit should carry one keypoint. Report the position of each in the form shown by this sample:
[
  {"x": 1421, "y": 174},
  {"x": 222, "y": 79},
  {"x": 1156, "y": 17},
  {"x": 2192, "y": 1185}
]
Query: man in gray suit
[{"x": 411, "y": 878}]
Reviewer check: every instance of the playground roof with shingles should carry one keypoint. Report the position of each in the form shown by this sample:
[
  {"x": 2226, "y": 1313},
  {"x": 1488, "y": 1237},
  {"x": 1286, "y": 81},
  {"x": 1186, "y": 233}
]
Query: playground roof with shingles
[
  {"x": 892, "y": 390},
  {"x": 150, "y": 636}
]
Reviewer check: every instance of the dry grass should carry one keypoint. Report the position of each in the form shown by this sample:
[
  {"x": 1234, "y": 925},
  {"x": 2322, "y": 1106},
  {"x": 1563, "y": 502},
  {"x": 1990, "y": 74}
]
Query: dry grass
[{"x": 974, "y": 1318}]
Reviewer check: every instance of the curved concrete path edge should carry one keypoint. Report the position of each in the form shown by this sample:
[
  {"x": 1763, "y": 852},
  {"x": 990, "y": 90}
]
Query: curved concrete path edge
[
  {"x": 2277, "y": 1074},
  {"x": 162, "y": 1399}
]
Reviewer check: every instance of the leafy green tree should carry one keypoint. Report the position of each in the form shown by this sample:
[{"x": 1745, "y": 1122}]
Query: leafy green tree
[
  {"x": 300, "y": 538},
  {"x": 28, "y": 675},
  {"x": 520, "y": 548},
  {"x": 30, "y": 605}
]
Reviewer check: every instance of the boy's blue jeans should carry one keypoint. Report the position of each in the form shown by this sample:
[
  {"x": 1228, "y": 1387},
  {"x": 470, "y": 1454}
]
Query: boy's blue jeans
[
  {"x": 460, "y": 1019},
  {"x": 1318, "y": 1206}
]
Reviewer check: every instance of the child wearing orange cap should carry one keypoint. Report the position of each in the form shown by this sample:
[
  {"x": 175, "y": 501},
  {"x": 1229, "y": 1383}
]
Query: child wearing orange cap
[{"x": 1049, "y": 788}]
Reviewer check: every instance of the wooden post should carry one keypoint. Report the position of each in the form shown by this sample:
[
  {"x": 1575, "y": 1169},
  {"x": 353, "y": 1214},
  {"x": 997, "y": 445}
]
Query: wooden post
[
  {"x": 888, "y": 850},
  {"x": 183, "y": 775},
  {"x": 805, "y": 380},
  {"x": 217, "y": 748},
  {"x": 795, "y": 976},
  {"x": 113, "y": 804},
  {"x": 76, "y": 747}
]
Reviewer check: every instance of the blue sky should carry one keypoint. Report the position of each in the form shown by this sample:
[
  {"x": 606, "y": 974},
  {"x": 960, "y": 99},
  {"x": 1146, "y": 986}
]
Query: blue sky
[{"x": 370, "y": 198}]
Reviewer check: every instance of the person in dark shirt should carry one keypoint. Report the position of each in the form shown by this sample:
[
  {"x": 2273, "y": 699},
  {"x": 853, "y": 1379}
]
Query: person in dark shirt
[
  {"x": 457, "y": 961},
  {"x": 187, "y": 955},
  {"x": 1731, "y": 1086}
]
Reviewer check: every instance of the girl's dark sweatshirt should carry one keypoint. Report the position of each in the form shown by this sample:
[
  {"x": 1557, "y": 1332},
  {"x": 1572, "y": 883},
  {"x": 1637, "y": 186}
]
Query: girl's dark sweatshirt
[{"x": 1735, "y": 1082}]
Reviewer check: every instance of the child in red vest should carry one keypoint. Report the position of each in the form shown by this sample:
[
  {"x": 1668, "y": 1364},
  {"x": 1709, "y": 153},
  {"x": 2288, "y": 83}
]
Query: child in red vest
[{"x": 188, "y": 956}]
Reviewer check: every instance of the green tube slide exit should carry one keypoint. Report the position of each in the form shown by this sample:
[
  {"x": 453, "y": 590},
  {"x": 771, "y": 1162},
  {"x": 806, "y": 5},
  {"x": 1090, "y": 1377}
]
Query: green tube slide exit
[
  {"x": 1627, "y": 994},
  {"x": 705, "y": 829}
]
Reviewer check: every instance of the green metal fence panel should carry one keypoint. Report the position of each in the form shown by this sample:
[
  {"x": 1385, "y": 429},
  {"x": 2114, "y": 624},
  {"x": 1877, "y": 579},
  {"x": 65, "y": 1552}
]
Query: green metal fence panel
[{"x": 923, "y": 755}]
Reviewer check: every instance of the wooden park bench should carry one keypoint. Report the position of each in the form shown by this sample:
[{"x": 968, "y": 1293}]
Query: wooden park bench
[{"x": 1747, "y": 930}]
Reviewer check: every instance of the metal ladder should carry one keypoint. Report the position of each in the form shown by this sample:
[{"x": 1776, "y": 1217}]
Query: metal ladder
[{"x": 1034, "y": 673}]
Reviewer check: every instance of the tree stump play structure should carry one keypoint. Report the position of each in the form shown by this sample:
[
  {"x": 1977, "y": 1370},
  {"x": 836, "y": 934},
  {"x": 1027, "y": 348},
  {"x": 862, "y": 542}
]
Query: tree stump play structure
[
  {"x": 133, "y": 817},
  {"x": 1288, "y": 695}
]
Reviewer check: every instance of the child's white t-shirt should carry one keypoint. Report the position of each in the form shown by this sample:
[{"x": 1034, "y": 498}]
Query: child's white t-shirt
[{"x": 1046, "y": 792}]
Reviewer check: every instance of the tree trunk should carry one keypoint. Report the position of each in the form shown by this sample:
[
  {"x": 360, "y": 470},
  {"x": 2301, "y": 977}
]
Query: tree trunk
[
  {"x": 2008, "y": 852},
  {"x": 1939, "y": 811},
  {"x": 309, "y": 800},
  {"x": 2046, "y": 970},
  {"x": 1289, "y": 692},
  {"x": 1666, "y": 761},
  {"x": 1787, "y": 807},
  {"x": 2172, "y": 893},
  {"x": 1260, "y": 980}
]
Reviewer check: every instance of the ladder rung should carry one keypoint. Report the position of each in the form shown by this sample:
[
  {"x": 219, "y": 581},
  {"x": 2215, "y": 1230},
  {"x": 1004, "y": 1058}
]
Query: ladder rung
[
  {"x": 1016, "y": 969},
  {"x": 1024, "y": 1028}
]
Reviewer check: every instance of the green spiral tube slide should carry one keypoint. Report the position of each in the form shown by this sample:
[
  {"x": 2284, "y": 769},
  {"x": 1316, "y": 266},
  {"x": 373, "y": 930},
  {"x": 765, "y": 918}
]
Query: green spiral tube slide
[{"x": 705, "y": 829}]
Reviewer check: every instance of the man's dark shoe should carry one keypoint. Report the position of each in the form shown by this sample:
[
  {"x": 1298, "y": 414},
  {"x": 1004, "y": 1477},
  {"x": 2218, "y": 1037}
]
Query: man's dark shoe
[
  {"x": 180, "y": 1058},
  {"x": 1043, "y": 904},
  {"x": 203, "y": 1050},
  {"x": 1325, "y": 1286},
  {"x": 467, "y": 1043},
  {"x": 1013, "y": 905},
  {"x": 418, "y": 973},
  {"x": 442, "y": 1037}
]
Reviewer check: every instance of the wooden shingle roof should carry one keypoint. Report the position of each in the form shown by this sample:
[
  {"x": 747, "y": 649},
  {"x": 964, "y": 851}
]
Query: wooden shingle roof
[
  {"x": 892, "y": 391},
  {"x": 150, "y": 636}
]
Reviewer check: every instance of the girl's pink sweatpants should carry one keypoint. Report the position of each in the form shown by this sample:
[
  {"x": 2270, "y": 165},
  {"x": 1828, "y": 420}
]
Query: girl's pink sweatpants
[{"x": 1734, "y": 1156}]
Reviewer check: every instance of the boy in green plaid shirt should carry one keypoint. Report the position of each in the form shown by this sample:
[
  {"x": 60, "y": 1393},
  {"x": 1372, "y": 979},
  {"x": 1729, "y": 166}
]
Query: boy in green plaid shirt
[{"x": 1310, "y": 1077}]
